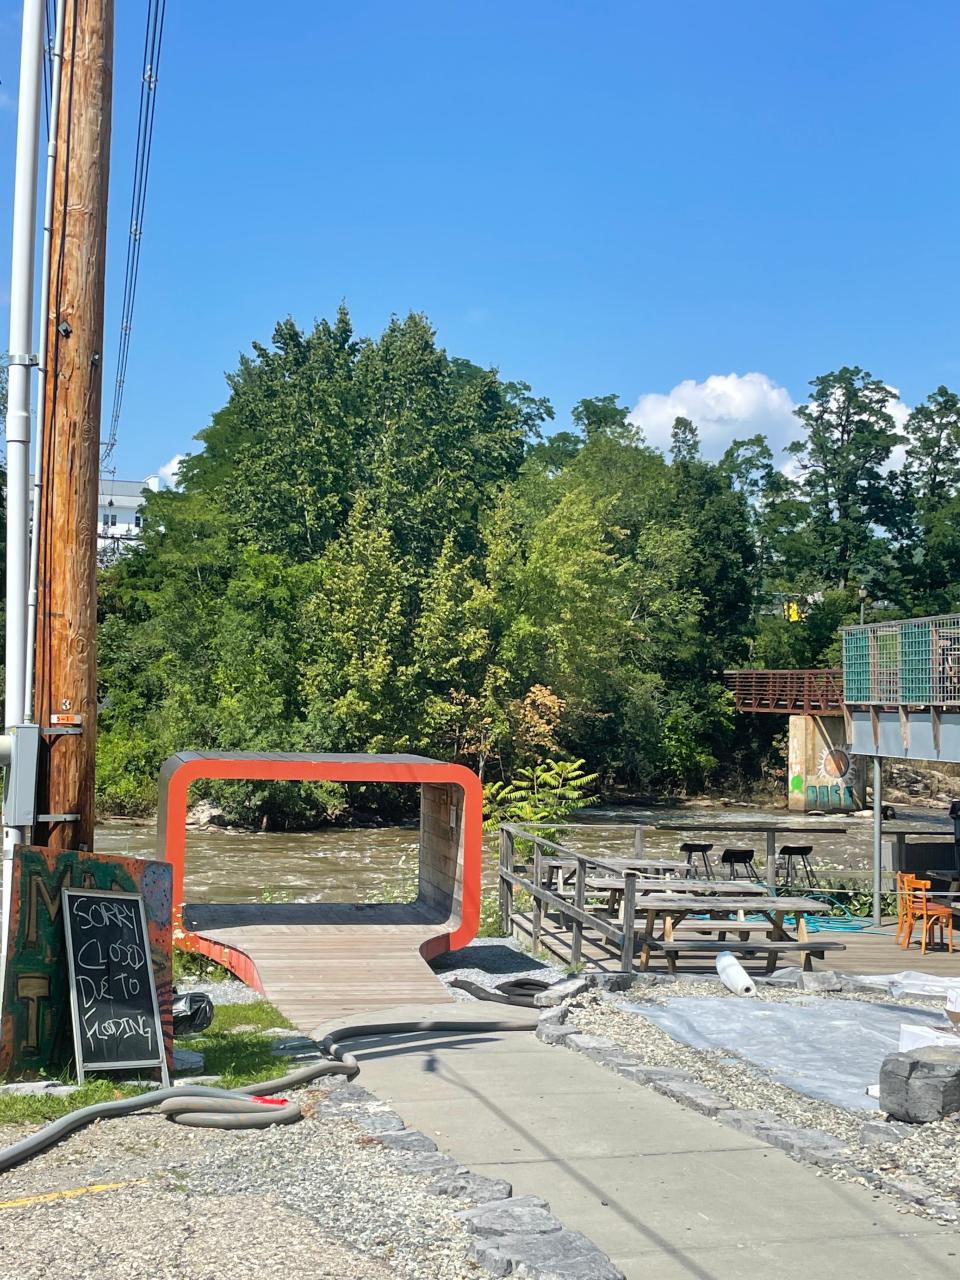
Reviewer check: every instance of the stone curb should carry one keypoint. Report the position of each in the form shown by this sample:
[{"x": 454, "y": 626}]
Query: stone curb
[
  {"x": 512, "y": 1235},
  {"x": 809, "y": 1146}
]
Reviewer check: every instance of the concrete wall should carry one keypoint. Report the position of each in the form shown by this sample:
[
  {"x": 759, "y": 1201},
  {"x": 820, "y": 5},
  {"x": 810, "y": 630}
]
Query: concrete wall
[
  {"x": 822, "y": 773},
  {"x": 441, "y": 850}
]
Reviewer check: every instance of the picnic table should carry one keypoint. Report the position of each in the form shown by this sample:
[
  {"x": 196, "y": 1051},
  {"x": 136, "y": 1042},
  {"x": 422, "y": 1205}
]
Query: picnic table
[
  {"x": 769, "y": 830},
  {"x": 561, "y": 870},
  {"x": 743, "y": 914},
  {"x": 616, "y": 886}
]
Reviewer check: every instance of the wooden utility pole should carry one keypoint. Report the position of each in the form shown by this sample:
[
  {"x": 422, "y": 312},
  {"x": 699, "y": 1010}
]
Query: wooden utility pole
[{"x": 66, "y": 670}]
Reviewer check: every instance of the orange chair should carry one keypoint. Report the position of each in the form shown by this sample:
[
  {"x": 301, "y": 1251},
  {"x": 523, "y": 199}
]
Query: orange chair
[
  {"x": 932, "y": 915},
  {"x": 904, "y": 909}
]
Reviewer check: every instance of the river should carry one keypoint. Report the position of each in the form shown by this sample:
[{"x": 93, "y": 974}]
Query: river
[{"x": 340, "y": 864}]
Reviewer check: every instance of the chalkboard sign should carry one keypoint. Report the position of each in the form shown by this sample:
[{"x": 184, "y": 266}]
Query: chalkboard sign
[{"x": 116, "y": 1018}]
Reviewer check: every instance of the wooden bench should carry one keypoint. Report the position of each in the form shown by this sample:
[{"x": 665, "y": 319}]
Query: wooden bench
[
  {"x": 722, "y": 927},
  {"x": 771, "y": 948}
]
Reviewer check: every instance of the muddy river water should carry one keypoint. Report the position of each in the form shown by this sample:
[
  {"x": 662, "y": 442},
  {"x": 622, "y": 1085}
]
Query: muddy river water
[{"x": 349, "y": 865}]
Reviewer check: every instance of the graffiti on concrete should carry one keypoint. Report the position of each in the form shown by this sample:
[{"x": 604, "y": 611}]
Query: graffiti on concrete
[
  {"x": 35, "y": 1033},
  {"x": 834, "y": 785}
]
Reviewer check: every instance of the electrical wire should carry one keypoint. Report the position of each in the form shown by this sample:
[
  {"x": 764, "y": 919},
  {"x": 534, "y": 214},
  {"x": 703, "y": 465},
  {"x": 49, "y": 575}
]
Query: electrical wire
[{"x": 153, "y": 40}]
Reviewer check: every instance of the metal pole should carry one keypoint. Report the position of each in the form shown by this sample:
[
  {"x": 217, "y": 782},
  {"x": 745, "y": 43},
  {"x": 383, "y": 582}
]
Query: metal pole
[
  {"x": 21, "y": 359},
  {"x": 55, "y": 82},
  {"x": 877, "y": 835}
]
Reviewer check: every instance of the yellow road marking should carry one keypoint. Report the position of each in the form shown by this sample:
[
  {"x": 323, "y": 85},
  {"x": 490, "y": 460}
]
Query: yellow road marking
[{"x": 68, "y": 1194}]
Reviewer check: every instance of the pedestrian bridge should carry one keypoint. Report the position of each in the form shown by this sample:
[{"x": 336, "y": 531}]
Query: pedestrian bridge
[
  {"x": 816, "y": 692},
  {"x": 317, "y": 961}
]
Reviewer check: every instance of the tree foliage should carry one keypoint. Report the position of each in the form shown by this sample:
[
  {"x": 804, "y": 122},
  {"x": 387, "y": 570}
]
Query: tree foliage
[{"x": 375, "y": 548}]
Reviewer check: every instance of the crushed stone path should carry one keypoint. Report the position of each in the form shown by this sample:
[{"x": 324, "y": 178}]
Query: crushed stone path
[{"x": 663, "y": 1191}]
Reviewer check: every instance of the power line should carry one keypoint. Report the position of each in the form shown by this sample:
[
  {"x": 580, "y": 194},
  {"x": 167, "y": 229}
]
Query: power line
[{"x": 153, "y": 39}]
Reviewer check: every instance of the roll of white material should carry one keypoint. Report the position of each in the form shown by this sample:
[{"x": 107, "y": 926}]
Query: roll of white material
[{"x": 733, "y": 975}]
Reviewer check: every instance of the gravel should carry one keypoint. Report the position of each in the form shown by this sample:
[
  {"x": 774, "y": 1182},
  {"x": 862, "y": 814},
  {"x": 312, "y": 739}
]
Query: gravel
[
  {"x": 489, "y": 961},
  {"x": 319, "y": 1198},
  {"x": 926, "y": 1160},
  {"x": 229, "y": 991}
]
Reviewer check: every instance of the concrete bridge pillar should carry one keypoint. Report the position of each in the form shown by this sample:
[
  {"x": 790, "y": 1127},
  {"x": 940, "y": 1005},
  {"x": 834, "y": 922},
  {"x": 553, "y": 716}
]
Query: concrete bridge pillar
[{"x": 821, "y": 772}]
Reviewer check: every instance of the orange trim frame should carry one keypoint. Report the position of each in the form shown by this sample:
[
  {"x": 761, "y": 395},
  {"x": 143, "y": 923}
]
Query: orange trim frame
[{"x": 181, "y": 771}]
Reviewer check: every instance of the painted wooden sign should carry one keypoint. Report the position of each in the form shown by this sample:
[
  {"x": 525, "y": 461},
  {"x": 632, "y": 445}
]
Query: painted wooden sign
[
  {"x": 116, "y": 1020},
  {"x": 35, "y": 1032}
]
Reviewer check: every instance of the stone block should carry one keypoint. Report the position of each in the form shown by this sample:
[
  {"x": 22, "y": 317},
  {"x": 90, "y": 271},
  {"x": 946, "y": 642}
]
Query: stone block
[
  {"x": 595, "y": 1047},
  {"x": 522, "y": 1214},
  {"x": 559, "y": 992},
  {"x": 407, "y": 1140},
  {"x": 640, "y": 1074},
  {"x": 566, "y": 1254},
  {"x": 877, "y": 1131},
  {"x": 820, "y": 981},
  {"x": 614, "y": 981},
  {"x": 38, "y": 1088},
  {"x": 786, "y": 977},
  {"x": 755, "y": 1123},
  {"x": 432, "y": 1162},
  {"x": 187, "y": 1060},
  {"x": 693, "y": 1095},
  {"x": 553, "y": 1033},
  {"x": 921, "y": 1086},
  {"x": 377, "y": 1122},
  {"x": 472, "y": 1187},
  {"x": 810, "y": 1145},
  {"x": 350, "y": 1095}
]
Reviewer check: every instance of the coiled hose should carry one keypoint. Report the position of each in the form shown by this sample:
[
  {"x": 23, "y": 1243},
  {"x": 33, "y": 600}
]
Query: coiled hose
[{"x": 210, "y": 1108}]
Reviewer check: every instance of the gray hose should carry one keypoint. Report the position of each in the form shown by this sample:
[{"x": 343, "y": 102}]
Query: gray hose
[{"x": 206, "y": 1107}]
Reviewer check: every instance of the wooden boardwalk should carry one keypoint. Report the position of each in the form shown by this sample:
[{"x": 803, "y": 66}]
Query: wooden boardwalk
[
  {"x": 867, "y": 952},
  {"x": 318, "y": 962}
]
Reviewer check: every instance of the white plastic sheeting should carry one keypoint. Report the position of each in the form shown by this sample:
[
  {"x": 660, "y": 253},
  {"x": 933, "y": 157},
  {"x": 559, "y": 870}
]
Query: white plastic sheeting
[
  {"x": 908, "y": 982},
  {"x": 826, "y": 1049}
]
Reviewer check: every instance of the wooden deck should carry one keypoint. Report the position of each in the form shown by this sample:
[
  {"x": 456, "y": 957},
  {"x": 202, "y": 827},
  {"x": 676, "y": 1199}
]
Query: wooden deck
[
  {"x": 318, "y": 962},
  {"x": 868, "y": 952}
]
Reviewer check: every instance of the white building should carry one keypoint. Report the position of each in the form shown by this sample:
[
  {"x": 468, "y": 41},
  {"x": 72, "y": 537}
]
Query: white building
[
  {"x": 119, "y": 506},
  {"x": 118, "y": 511}
]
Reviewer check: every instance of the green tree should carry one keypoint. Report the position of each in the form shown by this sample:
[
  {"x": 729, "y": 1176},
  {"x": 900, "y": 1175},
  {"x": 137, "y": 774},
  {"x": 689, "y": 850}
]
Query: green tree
[
  {"x": 684, "y": 441},
  {"x": 850, "y": 435}
]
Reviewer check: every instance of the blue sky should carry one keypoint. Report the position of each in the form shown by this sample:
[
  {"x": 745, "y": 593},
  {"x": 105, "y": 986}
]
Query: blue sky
[{"x": 654, "y": 200}]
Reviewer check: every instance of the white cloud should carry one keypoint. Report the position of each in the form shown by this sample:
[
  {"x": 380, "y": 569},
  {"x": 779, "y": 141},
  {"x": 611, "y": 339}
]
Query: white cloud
[
  {"x": 169, "y": 472},
  {"x": 724, "y": 407},
  {"x": 729, "y": 406}
]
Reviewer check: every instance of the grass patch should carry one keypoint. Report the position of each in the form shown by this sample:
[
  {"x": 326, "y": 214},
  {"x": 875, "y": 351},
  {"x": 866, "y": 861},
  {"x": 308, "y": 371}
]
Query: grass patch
[
  {"x": 191, "y": 964},
  {"x": 260, "y": 1014},
  {"x": 240, "y": 1057},
  {"x": 237, "y": 1057},
  {"x": 19, "y": 1108}
]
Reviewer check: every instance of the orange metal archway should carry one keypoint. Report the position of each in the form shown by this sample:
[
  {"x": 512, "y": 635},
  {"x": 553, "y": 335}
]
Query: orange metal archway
[{"x": 450, "y": 840}]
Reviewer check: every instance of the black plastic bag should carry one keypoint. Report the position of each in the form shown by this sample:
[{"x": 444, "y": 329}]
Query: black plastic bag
[{"x": 192, "y": 1012}]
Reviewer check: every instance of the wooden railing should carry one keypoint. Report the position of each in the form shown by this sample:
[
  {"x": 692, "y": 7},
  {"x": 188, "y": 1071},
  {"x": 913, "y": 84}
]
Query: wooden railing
[
  {"x": 815, "y": 692},
  {"x": 622, "y": 937}
]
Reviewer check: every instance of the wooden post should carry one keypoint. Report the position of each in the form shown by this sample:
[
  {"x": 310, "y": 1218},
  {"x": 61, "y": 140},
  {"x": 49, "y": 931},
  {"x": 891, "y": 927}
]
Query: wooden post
[
  {"x": 506, "y": 888},
  {"x": 66, "y": 671},
  {"x": 629, "y": 920},
  {"x": 579, "y": 901},
  {"x": 535, "y": 913},
  {"x": 638, "y": 840}
]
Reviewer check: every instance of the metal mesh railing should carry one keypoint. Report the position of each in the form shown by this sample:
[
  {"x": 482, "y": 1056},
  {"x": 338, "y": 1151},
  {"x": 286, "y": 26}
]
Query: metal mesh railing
[{"x": 910, "y": 663}]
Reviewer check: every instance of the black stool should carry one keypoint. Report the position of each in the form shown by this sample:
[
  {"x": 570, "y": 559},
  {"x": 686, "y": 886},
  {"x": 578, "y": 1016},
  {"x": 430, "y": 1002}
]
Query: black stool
[
  {"x": 737, "y": 860},
  {"x": 791, "y": 853},
  {"x": 694, "y": 851}
]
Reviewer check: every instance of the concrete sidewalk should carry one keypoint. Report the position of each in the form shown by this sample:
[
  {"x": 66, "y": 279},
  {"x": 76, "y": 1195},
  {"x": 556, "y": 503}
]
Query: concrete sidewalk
[{"x": 664, "y": 1191}]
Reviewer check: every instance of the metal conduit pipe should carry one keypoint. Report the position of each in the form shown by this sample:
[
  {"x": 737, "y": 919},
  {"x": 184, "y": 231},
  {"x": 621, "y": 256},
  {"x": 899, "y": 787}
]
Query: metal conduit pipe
[{"x": 56, "y": 80}]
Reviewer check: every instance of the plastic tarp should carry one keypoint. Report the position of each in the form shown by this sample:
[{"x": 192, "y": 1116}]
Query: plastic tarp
[
  {"x": 908, "y": 982},
  {"x": 826, "y": 1049}
]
